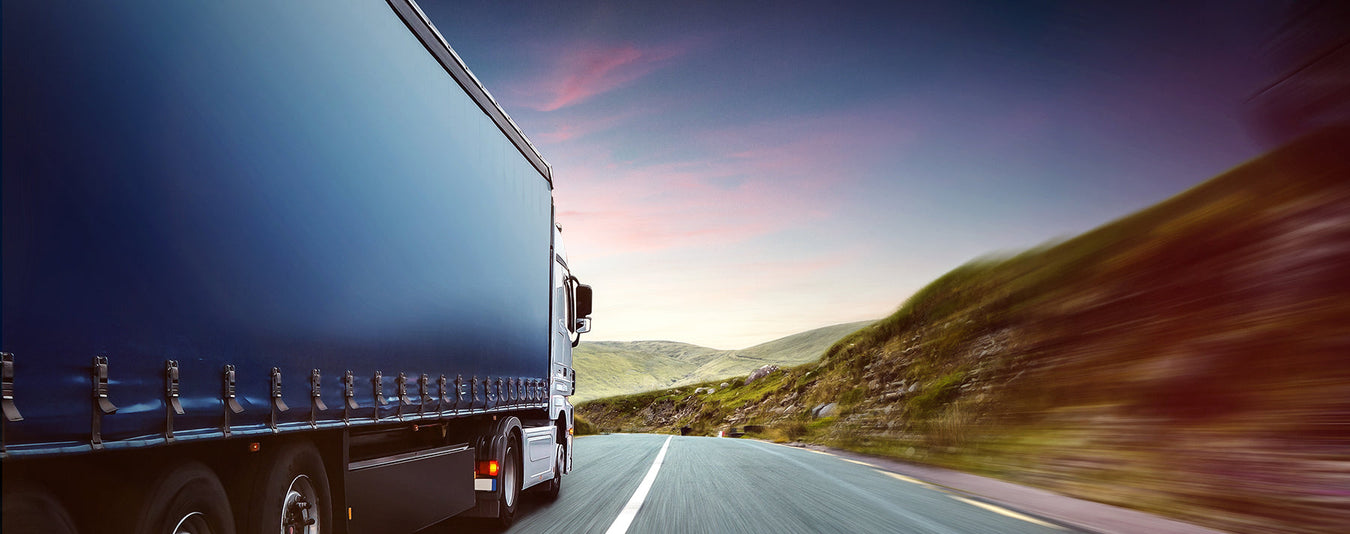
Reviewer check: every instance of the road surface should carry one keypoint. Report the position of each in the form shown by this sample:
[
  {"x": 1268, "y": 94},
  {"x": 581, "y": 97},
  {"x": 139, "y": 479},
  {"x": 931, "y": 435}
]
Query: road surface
[{"x": 723, "y": 485}]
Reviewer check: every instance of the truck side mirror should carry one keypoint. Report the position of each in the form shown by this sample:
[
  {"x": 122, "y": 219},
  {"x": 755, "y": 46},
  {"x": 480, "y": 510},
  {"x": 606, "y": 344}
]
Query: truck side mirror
[{"x": 583, "y": 300}]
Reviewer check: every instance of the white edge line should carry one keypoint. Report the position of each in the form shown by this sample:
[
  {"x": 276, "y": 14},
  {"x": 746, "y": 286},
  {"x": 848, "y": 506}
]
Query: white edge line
[
  {"x": 996, "y": 509},
  {"x": 1006, "y": 512},
  {"x": 630, "y": 510}
]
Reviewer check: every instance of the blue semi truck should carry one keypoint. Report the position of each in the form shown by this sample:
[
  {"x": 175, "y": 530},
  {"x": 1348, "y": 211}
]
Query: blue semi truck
[{"x": 271, "y": 267}]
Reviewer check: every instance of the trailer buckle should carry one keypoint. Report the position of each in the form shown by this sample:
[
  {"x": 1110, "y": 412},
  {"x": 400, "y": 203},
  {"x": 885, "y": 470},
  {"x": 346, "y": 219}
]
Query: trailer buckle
[
  {"x": 316, "y": 404},
  {"x": 473, "y": 392},
  {"x": 402, "y": 390},
  {"x": 488, "y": 399},
  {"x": 7, "y": 398},
  {"x": 440, "y": 395},
  {"x": 422, "y": 382},
  {"x": 7, "y": 395},
  {"x": 349, "y": 396},
  {"x": 496, "y": 391},
  {"x": 278, "y": 405},
  {"x": 378, "y": 382},
  {"x": 102, "y": 405},
  {"x": 172, "y": 406},
  {"x": 459, "y": 390},
  {"x": 228, "y": 396}
]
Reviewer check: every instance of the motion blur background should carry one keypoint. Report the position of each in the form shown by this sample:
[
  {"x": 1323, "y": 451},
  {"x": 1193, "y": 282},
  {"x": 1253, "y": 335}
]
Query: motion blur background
[{"x": 1181, "y": 344}]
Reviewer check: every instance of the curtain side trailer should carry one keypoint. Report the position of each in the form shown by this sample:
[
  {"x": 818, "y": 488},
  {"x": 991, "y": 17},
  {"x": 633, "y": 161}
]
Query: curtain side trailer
[{"x": 282, "y": 267}]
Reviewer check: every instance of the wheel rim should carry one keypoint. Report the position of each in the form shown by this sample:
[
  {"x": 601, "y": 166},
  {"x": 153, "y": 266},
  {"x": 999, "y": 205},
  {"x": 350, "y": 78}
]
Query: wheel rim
[
  {"x": 193, "y": 523},
  {"x": 298, "y": 515},
  {"x": 509, "y": 478}
]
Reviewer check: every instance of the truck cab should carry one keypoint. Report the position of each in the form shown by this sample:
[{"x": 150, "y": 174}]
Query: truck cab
[{"x": 571, "y": 318}]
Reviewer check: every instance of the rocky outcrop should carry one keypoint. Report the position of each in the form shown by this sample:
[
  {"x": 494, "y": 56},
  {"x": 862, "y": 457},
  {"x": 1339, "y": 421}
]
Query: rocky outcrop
[{"x": 759, "y": 373}]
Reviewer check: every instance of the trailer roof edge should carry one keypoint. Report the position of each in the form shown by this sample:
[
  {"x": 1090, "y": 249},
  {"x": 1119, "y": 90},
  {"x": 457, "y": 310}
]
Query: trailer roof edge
[{"x": 431, "y": 38}]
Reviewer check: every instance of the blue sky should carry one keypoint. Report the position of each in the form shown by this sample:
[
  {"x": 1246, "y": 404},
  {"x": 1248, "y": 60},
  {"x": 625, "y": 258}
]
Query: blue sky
[{"x": 729, "y": 174}]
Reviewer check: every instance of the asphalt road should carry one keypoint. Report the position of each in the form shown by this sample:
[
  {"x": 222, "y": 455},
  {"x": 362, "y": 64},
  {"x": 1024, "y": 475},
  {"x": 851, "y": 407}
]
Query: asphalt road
[{"x": 723, "y": 485}]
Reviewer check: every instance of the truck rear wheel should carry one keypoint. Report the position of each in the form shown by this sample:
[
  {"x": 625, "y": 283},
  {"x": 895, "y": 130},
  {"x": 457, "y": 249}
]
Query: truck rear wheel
[
  {"x": 512, "y": 477},
  {"x": 186, "y": 499},
  {"x": 31, "y": 510},
  {"x": 291, "y": 494}
]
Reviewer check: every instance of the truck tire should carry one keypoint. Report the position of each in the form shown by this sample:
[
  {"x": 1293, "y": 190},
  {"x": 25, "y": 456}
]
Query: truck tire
[
  {"x": 512, "y": 478},
  {"x": 33, "y": 510},
  {"x": 186, "y": 499},
  {"x": 290, "y": 494}
]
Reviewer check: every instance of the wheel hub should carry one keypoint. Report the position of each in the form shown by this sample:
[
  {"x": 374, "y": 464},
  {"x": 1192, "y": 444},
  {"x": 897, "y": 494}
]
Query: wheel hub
[{"x": 297, "y": 511}]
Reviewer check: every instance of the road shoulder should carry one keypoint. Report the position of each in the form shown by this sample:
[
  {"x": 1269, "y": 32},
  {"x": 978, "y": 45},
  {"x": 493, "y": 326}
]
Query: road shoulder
[{"x": 1077, "y": 513}]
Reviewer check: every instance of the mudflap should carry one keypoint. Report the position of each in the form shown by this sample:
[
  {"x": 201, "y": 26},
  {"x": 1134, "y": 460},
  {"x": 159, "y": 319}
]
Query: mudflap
[{"x": 488, "y": 503}]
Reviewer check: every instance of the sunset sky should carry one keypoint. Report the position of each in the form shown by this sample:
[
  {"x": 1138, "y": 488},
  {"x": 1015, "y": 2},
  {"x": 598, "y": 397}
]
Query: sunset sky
[{"x": 727, "y": 174}]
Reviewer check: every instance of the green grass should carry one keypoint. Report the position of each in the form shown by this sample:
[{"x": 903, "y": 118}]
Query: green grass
[{"x": 937, "y": 395}]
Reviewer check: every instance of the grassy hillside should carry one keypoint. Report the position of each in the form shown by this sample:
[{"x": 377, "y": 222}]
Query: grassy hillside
[
  {"x": 608, "y": 368},
  {"x": 1192, "y": 359}
]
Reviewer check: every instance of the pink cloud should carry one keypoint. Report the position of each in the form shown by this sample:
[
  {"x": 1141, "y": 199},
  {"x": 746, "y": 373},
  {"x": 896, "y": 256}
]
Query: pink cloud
[
  {"x": 730, "y": 187},
  {"x": 584, "y": 71}
]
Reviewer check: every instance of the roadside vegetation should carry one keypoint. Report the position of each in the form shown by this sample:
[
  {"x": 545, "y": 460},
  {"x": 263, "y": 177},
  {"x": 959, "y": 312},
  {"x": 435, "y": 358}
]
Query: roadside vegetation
[
  {"x": 1188, "y": 360},
  {"x": 609, "y": 368}
]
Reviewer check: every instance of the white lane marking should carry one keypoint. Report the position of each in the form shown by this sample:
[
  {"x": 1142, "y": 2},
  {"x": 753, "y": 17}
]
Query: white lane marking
[
  {"x": 1006, "y": 512},
  {"x": 630, "y": 510}
]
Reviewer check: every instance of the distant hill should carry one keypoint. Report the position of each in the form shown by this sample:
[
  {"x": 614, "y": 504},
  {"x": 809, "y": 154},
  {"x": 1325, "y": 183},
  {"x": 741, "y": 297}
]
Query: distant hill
[
  {"x": 608, "y": 368},
  {"x": 1191, "y": 359}
]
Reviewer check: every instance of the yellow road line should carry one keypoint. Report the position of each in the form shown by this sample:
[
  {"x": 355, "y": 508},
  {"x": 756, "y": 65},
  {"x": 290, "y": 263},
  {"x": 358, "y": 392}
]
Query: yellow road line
[
  {"x": 898, "y": 476},
  {"x": 1006, "y": 512}
]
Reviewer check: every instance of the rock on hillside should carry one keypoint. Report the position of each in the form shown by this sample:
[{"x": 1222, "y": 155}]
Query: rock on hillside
[{"x": 760, "y": 373}]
